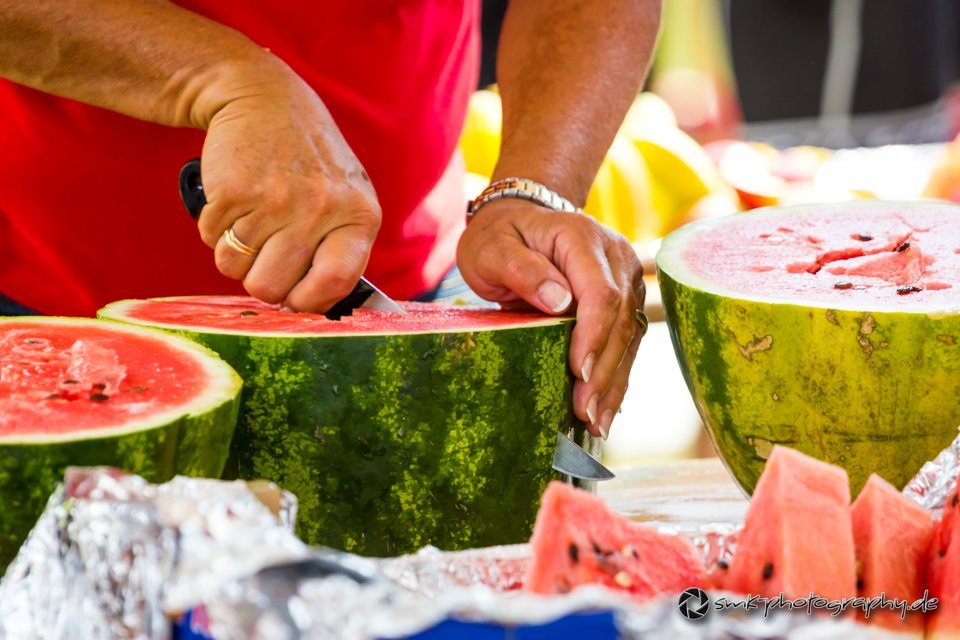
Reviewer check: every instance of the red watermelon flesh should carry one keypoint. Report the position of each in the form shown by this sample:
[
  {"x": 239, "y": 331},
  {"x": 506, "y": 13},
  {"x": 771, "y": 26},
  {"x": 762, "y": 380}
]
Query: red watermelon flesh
[
  {"x": 864, "y": 255},
  {"x": 248, "y": 315},
  {"x": 943, "y": 574},
  {"x": 796, "y": 538},
  {"x": 578, "y": 540},
  {"x": 57, "y": 381},
  {"x": 891, "y": 534}
]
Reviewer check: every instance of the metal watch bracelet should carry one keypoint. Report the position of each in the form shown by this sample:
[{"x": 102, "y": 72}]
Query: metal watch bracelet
[{"x": 523, "y": 189}]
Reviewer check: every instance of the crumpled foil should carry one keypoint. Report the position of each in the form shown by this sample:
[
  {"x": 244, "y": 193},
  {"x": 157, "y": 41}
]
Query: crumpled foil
[
  {"x": 115, "y": 557},
  {"x": 112, "y": 556},
  {"x": 937, "y": 480}
]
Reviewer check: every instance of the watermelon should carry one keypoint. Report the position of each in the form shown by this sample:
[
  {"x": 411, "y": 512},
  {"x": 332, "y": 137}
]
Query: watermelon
[
  {"x": 578, "y": 540},
  {"x": 86, "y": 392},
  {"x": 796, "y": 538},
  {"x": 943, "y": 574},
  {"x": 891, "y": 534},
  {"x": 833, "y": 329},
  {"x": 394, "y": 431}
]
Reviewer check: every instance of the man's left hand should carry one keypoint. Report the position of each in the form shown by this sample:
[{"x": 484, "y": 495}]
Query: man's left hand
[{"x": 515, "y": 252}]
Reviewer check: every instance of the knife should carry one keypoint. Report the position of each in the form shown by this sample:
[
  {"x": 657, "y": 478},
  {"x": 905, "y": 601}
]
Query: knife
[
  {"x": 364, "y": 294},
  {"x": 571, "y": 459}
]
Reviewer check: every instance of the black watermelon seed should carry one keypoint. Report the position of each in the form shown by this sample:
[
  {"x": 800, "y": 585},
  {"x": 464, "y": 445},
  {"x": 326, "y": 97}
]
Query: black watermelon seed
[
  {"x": 955, "y": 500},
  {"x": 574, "y": 552},
  {"x": 723, "y": 564},
  {"x": 768, "y": 571},
  {"x": 859, "y": 584},
  {"x": 71, "y": 381},
  {"x": 248, "y": 313},
  {"x": 907, "y": 289},
  {"x": 99, "y": 397},
  {"x": 32, "y": 341},
  {"x": 54, "y": 396},
  {"x": 903, "y": 246},
  {"x": 863, "y": 237},
  {"x": 942, "y": 552},
  {"x": 843, "y": 285},
  {"x": 101, "y": 386},
  {"x": 596, "y": 548}
]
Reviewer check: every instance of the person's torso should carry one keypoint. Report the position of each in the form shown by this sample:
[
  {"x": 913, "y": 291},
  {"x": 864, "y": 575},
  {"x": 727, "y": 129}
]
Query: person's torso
[{"x": 89, "y": 209}]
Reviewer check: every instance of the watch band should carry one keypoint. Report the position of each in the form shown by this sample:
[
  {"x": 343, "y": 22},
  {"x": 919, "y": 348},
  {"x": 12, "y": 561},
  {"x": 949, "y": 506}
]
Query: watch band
[{"x": 524, "y": 189}]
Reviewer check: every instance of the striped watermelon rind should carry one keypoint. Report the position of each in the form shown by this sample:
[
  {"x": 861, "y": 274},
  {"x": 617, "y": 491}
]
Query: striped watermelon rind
[
  {"x": 191, "y": 440},
  {"x": 394, "y": 441},
  {"x": 867, "y": 390}
]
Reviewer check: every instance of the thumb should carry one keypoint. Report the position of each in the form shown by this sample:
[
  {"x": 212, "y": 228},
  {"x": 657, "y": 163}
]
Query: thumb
[{"x": 531, "y": 276}]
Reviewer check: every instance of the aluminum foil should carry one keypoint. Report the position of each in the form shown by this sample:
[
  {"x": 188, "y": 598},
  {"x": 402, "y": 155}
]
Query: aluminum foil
[
  {"x": 937, "y": 480},
  {"x": 113, "y": 556}
]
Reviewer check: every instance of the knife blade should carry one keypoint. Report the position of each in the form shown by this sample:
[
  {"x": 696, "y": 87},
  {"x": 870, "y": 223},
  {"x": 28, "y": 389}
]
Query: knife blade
[
  {"x": 571, "y": 459},
  {"x": 364, "y": 294}
]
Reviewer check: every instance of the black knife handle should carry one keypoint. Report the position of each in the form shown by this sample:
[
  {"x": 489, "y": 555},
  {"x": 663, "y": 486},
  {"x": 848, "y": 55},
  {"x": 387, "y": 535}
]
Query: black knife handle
[
  {"x": 354, "y": 299},
  {"x": 191, "y": 188}
]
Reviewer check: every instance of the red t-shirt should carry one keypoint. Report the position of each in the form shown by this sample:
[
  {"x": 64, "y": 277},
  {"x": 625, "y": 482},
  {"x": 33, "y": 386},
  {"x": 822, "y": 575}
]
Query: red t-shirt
[{"x": 89, "y": 206}]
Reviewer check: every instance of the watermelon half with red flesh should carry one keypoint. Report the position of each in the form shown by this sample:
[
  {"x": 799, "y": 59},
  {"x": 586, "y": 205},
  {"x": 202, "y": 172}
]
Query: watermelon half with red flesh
[
  {"x": 796, "y": 538},
  {"x": 578, "y": 540},
  {"x": 943, "y": 574},
  {"x": 891, "y": 534},
  {"x": 830, "y": 328},
  {"x": 394, "y": 431},
  {"x": 86, "y": 392}
]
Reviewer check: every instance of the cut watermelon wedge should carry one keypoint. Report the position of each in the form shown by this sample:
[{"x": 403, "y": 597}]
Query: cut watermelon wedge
[
  {"x": 891, "y": 534},
  {"x": 943, "y": 574},
  {"x": 86, "y": 392},
  {"x": 796, "y": 539},
  {"x": 578, "y": 540}
]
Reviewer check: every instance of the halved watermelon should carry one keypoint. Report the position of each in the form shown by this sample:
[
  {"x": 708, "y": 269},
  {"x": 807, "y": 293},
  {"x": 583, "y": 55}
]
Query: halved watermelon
[
  {"x": 394, "y": 431},
  {"x": 796, "y": 539},
  {"x": 578, "y": 540},
  {"x": 891, "y": 534},
  {"x": 943, "y": 574},
  {"x": 87, "y": 392},
  {"x": 830, "y": 328}
]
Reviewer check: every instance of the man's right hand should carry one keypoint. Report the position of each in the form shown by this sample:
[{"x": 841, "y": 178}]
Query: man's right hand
[{"x": 278, "y": 171}]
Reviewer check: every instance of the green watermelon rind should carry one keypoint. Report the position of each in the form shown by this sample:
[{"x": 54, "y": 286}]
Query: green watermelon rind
[
  {"x": 192, "y": 440},
  {"x": 451, "y": 435},
  {"x": 867, "y": 390}
]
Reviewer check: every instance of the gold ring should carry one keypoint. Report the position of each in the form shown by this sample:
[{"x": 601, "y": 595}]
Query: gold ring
[
  {"x": 643, "y": 322},
  {"x": 234, "y": 243}
]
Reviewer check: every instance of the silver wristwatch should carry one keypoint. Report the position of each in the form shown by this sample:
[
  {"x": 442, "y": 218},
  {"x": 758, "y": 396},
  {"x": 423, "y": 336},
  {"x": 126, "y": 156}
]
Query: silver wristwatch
[{"x": 523, "y": 189}]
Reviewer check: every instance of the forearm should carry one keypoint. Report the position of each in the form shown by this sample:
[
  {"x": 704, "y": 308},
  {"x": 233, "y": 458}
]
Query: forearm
[
  {"x": 149, "y": 59},
  {"x": 568, "y": 71}
]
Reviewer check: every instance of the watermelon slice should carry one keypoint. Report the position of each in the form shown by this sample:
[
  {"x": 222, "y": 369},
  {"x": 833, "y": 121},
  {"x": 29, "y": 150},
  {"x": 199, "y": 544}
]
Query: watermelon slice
[
  {"x": 86, "y": 392},
  {"x": 891, "y": 534},
  {"x": 796, "y": 539},
  {"x": 943, "y": 574},
  {"x": 394, "y": 431},
  {"x": 831, "y": 328},
  {"x": 578, "y": 540}
]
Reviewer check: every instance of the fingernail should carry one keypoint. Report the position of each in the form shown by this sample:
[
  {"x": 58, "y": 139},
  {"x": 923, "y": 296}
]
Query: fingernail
[
  {"x": 605, "y": 422},
  {"x": 555, "y": 297},
  {"x": 586, "y": 369},
  {"x": 592, "y": 409}
]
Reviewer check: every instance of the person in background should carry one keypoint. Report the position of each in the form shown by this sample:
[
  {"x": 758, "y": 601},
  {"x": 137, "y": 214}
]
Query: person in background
[
  {"x": 846, "y": 73},
  {"x": 327, "y": 134}
]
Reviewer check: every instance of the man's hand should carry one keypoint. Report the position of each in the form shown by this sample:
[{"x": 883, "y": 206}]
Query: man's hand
[
  {"x": 517, "y": 251},
  {"x": 277, "y": 170}
]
